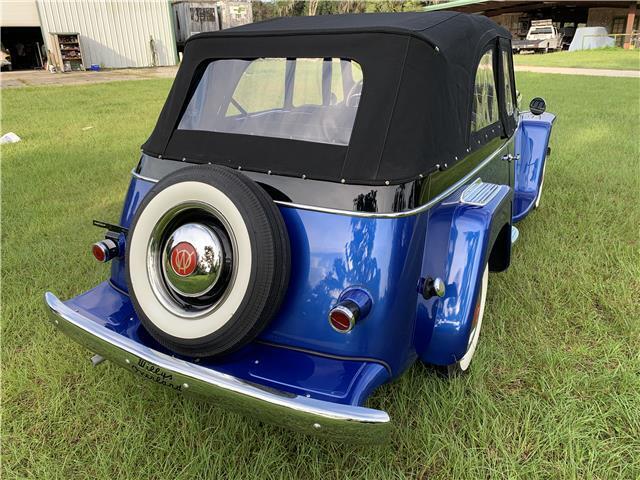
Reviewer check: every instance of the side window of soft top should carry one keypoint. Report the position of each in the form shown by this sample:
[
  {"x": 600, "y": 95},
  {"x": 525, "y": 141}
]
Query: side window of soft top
[
  {"x": 508, "y": 83},
  {"x": 485, "y": 95}
]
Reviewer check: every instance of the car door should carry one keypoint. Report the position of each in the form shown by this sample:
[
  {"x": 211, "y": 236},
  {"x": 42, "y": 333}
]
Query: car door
[
  {"x": 492, "y": 124},
  {"x": 491, "y": 131},
  {"x": 508, "y": 106}
]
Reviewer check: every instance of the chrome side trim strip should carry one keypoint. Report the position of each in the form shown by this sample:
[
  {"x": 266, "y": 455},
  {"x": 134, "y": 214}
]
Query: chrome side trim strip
[
  {"x": 308, "y": 415},
  {"x": 406, "y": 213},
  {"x": 142, "y": 177}
]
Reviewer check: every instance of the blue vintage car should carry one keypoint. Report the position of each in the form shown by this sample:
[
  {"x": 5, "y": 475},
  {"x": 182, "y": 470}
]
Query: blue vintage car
[{"x": 318, "y": 207}]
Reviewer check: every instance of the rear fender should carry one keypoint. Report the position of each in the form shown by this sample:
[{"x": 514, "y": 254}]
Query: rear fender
[
  {"x": 532, "y": 142},
  {"x": 138, "y": 189},
  {"x": 459, "y": 242},
  {"x": 333, "y": 252}
]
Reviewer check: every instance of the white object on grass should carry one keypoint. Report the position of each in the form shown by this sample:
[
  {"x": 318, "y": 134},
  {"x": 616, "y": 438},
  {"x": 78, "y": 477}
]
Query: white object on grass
[
  {"x": 9, "y": 138},
  {"x": 587, "y": 38}
]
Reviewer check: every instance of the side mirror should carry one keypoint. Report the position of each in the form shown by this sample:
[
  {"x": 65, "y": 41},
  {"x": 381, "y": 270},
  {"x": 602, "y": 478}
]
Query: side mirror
[{"x": 538, "y": 106}]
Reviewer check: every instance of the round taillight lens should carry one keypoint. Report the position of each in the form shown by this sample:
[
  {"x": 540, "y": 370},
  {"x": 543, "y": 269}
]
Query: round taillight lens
[
  {"x": 99, "y": 252},
  {"x": 105, "y": 250},
  {"x": 340, "y": 321},
  {"x": 343, "y": 316}
]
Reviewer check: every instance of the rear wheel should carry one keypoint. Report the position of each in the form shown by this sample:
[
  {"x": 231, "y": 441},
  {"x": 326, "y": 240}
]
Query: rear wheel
[
  {"x": 462, "y": 365},
  {"x": 207, "y": 261}
]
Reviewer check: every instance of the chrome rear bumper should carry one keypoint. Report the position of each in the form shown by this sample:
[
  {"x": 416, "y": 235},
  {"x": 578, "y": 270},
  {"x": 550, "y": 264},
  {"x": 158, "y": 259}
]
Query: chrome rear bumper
[{"x": 308, "y": 415}]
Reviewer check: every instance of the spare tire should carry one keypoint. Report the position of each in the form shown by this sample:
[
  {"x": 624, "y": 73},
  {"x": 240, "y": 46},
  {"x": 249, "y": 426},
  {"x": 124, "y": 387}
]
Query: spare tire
[{"x": 207, "y": 261}]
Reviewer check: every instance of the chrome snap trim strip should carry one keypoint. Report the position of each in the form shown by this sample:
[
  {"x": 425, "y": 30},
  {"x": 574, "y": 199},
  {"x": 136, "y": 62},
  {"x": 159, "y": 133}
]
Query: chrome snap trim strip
[
  {"x": 142, "y": 177},
  {"x": 406, "y": 213}
]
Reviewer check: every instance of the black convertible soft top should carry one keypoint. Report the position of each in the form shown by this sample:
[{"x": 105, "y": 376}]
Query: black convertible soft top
[{"x": 414, "y": 113}]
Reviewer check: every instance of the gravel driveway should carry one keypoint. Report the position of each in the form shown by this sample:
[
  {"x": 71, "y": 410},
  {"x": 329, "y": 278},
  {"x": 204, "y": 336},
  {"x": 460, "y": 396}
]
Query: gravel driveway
[{"x": 26, "y": 78}]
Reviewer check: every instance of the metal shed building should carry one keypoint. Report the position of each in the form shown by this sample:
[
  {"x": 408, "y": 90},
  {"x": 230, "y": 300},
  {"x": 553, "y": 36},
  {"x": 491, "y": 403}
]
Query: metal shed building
[
  {"x": 114, "y": 34},
  {"x": 109, "y": 33},
  {"x": 618, "y": 17},
  {"x": 22, "y": 37}
]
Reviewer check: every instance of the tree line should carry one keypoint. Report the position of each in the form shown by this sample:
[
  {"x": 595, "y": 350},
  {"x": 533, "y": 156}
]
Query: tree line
[{"x": 263, "y": 10}]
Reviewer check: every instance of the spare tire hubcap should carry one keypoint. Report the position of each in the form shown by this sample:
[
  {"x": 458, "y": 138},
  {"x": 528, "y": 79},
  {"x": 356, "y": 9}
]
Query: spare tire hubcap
[{"x": 193, "y": 259}]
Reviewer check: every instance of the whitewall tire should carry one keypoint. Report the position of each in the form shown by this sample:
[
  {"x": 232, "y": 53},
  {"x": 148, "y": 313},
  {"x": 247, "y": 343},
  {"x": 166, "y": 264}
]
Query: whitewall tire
[
  {"x": 462, "y": 365},
  {"x": 240, "y": 276},
  {"x": 539, "y": 196}
]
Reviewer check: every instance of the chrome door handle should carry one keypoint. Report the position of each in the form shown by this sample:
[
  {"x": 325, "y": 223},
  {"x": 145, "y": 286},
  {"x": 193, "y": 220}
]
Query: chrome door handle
[{"x": 510, "y": 157}]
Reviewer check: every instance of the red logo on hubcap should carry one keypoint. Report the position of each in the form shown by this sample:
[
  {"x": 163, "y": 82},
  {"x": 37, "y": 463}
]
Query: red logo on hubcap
[{"x": 183, "y": 259}]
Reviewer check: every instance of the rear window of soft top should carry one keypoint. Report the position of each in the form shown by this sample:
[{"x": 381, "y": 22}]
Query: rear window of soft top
[{"x": 308, "y": 99}]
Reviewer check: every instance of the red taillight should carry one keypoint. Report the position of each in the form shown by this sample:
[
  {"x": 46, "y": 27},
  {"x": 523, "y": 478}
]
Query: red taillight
[
  {"x": 99, "y": 252},
  {"x": 353, "y": 305},
  {"x": 341, "y": 321},
  {"x": 105, "y": 250},
  {"x": 344, "y": 316}
]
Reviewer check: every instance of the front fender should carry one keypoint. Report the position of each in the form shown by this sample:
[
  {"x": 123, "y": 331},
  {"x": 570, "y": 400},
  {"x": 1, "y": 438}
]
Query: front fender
[
  {"x": 459, "y": 242},
  {"x": 531, "y": 146}
]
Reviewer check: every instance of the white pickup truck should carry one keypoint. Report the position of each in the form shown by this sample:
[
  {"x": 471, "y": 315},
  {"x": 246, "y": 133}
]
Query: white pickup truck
[{"x": 542, "y": 37}]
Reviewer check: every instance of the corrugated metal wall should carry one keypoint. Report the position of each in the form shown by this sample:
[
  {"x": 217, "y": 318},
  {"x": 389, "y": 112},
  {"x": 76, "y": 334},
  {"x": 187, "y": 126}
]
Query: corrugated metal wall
[
  {"x": 114, "y": 33},
  {"x": 19, "y": 13}
]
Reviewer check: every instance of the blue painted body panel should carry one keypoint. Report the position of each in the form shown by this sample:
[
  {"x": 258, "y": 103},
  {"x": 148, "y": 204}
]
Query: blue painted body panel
[
  {"x": 335, "y": 380},
  {"x": 138, "y": 189},
  {"x": 334, "y": 252},
  {"x": 388, "y": 258},
  {"x": 532, "y": 140},
  {"x": 330, "y": 254},
  {"x": 460, "y": 240}
]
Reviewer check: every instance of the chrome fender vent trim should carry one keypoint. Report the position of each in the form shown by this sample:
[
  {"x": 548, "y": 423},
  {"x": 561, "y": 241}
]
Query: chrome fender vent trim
[{"x": 479, "y": 193}]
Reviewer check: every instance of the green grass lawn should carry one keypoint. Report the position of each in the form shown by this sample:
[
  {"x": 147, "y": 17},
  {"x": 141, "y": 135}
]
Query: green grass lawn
[
  {"x": 608, "y": 58},
  {"x": 554, "y": 391}
]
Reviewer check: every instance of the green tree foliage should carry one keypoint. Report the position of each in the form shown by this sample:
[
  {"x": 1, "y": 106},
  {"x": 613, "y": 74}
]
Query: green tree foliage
[
  {"x": 396, "y": 6},
  {"x": 263, "y": 10}
]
